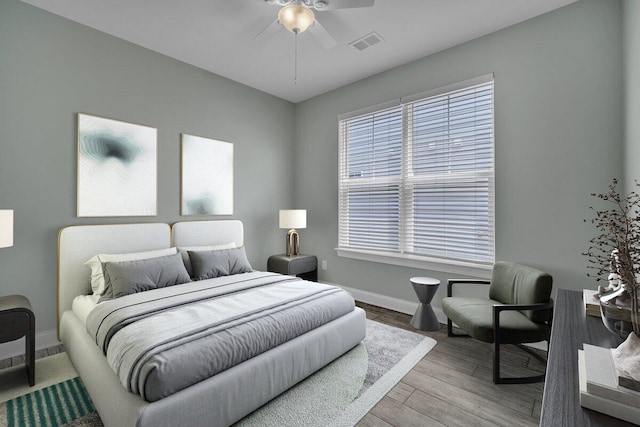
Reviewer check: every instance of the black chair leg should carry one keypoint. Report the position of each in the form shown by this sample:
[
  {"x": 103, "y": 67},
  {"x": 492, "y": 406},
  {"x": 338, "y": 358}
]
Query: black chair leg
[
  {"x": 496, "y": 359},
  {"x": 450, "y": 330},
  {"x": 496, "y": 356},
  {"x": 496, "y": 362},
  {"x": 515, "y": 380}
]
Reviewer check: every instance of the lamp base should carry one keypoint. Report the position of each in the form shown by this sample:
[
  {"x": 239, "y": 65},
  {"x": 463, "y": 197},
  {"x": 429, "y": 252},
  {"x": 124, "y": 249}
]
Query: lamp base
[{"x": 293, "y": 243}]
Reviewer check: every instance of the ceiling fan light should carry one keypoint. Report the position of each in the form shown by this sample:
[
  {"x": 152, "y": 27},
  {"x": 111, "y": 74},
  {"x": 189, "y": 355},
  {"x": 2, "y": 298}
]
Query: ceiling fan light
[{"x": 296, "y": 18}]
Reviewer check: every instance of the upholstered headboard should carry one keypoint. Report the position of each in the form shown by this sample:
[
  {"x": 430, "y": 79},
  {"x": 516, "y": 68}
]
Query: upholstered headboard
[
  {"x": 76, "y": 244},
  {"x": 199, "y": 233}
]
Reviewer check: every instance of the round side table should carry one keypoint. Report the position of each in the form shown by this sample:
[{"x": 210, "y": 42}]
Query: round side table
[{"x": 425, "y": 319}]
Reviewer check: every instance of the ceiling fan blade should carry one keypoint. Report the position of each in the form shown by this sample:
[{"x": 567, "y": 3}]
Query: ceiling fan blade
[
  {"x": 341, "y": 4},
  {"x": 269, "y": 29},
  {"x": 322, "y": 35}
]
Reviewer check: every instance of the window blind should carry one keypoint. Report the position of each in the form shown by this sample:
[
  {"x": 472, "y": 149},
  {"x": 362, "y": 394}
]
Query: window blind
[{"x": 417, "y": 178}]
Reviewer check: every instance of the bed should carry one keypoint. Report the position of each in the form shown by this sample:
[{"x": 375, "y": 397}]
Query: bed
[{"x": 219, "y": 400}]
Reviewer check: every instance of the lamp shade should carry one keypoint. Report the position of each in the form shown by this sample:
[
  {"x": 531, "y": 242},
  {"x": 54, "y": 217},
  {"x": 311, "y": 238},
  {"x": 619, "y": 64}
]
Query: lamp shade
[
  {"x": 6, "y": 228},
  {"x": 293, "y": 218},
  {"x": 296, "y": 18}
]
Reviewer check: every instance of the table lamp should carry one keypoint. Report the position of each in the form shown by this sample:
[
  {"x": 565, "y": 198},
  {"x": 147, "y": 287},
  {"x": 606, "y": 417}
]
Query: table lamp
[
  {"x": 6, "y": 228},
  {"x": 292, "y": 219}
]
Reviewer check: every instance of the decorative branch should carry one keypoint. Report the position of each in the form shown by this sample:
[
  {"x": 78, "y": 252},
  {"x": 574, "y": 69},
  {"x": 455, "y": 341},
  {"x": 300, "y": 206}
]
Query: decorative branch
[{"x": 617, "y": 248}]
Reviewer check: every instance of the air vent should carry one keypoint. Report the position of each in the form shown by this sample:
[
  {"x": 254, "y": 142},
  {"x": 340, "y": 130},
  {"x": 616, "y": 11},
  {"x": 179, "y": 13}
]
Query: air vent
[{"x": 367, "y": 41}]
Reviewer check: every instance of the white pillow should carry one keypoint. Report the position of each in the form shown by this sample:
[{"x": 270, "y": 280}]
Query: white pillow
[
  {"x": 184, "y": 251},
  {"x": 95, "y": 264},
  {"x": 82, "y": 305}
]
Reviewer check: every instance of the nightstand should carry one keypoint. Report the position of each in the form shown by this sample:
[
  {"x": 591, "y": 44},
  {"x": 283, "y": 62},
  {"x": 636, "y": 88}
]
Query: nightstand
[
  {"x": 16, "y": 321},
  {"x": 303, "y": 266}
]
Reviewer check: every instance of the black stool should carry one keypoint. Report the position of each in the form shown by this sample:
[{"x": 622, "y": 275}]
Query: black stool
[{"x": 17, "y": 321}]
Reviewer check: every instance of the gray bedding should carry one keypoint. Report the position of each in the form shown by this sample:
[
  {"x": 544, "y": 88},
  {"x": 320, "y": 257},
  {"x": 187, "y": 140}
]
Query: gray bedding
[{"x": 162, "y": 341}]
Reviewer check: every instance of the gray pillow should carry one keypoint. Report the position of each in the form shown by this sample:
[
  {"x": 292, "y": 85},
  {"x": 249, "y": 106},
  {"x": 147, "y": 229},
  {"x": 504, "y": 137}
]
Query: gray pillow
[
  {"x": 223, "y": 262},
  {"x": 129, "y": 277},
  {"x": 184, "y": 251}
]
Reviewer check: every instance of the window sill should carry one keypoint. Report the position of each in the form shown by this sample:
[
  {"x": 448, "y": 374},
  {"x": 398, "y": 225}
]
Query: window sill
[{"x": 456, "y": 267}]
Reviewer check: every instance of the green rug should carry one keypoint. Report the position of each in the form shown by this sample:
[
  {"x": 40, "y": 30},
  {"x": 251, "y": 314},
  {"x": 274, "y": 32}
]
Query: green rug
[
  {"x": 52, "y": 406},
  {"x": 338, "y": 395}
]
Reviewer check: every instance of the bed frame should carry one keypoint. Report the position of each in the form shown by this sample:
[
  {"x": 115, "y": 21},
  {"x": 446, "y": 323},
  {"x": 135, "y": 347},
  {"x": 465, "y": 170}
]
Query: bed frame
[{"x": 218, "y": 401}]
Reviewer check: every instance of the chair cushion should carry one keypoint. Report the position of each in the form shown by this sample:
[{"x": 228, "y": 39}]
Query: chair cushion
[
  {"x": 518, "y": 284},
  {"x": 475, "y": 316}
]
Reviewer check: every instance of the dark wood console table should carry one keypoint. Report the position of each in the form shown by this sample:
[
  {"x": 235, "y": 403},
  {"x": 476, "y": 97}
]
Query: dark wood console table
[{"x": 571, "y": 328}]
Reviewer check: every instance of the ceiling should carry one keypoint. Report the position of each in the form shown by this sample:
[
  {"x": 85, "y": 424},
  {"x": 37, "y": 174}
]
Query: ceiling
[{"x": 218, "y": 35}]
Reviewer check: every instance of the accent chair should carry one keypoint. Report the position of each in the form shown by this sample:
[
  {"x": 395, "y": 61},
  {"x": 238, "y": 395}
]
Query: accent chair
[{"x": 519, "y": 310}]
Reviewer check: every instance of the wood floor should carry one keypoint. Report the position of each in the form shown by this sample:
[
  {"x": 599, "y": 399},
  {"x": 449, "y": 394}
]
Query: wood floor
[
  {"x": 19, "y": 360},
  {"x": 451, "y": 386}
]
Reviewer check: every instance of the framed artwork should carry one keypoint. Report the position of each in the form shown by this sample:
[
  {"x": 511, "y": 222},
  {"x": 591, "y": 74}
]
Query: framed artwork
[
  {"x": 207, "y": 176},
  {"x": 117, "y": 168}
]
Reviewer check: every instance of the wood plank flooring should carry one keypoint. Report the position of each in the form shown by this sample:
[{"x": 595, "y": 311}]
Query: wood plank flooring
[
  {"x": 451, "y": 386},
  {"x": 19, "y": 360}
]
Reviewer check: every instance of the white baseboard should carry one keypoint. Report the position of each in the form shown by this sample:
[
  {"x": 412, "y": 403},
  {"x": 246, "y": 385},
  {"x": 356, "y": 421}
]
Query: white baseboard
[
  {"x": 391, "y": 303},
  {"x": 44, "y": 339}
]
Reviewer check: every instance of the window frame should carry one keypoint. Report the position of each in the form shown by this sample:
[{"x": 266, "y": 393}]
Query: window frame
[{"x": 449, "y": 265}]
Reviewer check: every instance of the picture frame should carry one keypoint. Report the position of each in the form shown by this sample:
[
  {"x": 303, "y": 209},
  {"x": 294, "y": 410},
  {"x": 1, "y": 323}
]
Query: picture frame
[
  {"x": 117, "y": 168},
  {"x": 207, "y": 176}
]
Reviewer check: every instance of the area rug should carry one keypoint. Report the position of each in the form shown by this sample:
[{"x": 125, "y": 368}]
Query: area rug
[
  {"x": 55, "y": 405},
  {"x": 344, "y": 391},
  {"x": 338, "y": 395}
]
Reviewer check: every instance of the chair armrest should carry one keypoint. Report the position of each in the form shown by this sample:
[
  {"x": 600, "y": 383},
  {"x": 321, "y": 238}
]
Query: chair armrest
[
  {"x": 498, "y": 308},
  {"x": 452, "y": 282}
]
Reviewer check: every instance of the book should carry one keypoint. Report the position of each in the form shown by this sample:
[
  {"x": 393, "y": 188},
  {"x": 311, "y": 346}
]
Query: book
[
  {"x": 627, "y": 382},
  {"x": 602, "y": 376},
  {"x": 598, "y": 403},
  {"x": 591, "y": 303}
]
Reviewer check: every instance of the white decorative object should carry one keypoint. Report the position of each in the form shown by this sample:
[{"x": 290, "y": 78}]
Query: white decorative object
[
  {"x": 614, "y": 280},
  {"x": 627, "y": 360},
  {"x": 117, "y": 168}
]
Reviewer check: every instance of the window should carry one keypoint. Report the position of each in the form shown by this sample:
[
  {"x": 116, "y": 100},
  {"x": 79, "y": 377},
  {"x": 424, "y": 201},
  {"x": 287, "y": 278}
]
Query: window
[{"x": 416, "y": 180}]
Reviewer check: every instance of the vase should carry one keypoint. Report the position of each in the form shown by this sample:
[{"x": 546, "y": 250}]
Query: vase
[{"x": 616, "y": 318}]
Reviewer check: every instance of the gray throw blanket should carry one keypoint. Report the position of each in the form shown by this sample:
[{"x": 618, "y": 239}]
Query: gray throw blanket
[{"x": 161, "y": 341}]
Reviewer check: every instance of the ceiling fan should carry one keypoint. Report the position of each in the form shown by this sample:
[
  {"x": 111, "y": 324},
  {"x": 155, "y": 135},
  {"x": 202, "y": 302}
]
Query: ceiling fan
[{"x": 297, "y": 16}]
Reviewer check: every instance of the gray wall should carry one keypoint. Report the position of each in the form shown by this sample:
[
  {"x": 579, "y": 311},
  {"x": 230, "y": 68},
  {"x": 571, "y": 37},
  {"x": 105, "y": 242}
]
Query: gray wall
[
  {"x": 631, "y": 16},
  {"x": 52, "y": 68},
  {"x": 558, "y": 131},
  {"x": 559, "y": 137}
]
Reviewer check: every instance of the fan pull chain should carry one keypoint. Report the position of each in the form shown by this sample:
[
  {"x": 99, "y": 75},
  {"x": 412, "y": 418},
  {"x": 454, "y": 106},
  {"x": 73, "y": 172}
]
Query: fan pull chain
[{"x": 295, "y": 60}]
